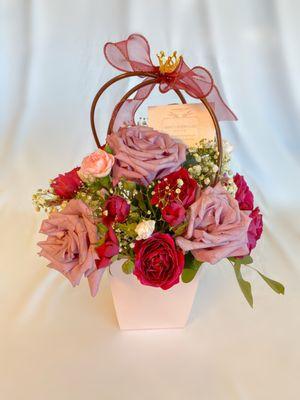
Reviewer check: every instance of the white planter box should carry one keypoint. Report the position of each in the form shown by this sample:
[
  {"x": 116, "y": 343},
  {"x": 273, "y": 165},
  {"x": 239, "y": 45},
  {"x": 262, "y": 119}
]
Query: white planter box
[{"x": 144, "y": 307}]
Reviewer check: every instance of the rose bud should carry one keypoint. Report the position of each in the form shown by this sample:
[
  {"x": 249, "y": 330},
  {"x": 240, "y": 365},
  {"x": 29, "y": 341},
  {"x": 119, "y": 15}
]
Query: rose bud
[
  {"x": 107, "y": 250},
  {"x": 255, "y": 228},
  {"x": 173, "y": 213},
  {"x": 243, "y": 194},
  {"x": 66, "y": 186},
  {"x": 116, "y": 209}
]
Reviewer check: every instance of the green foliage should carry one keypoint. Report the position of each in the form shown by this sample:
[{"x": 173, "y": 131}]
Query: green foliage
[
  {"x": 141, "y": 201},
  {"x": 188, "y": 275},
  {"x": 241, "y": 261},
  {"x": 102, "y": 229},
  {"x": 128, "y": 266},
  {"x": 180, "y": 229},
  {"x": 108, "y": 149},
  {"x": 191, "y": 267},
  {"x": 276, "y": 286},
  {"x": 191, "y": 262},
  {"x": 105, "y": 182},
  {"x": 244, "y": 285}
]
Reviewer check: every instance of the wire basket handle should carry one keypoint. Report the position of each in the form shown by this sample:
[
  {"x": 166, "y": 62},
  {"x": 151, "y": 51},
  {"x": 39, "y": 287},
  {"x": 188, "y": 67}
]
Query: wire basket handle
[{"x": 152, "y": 81}]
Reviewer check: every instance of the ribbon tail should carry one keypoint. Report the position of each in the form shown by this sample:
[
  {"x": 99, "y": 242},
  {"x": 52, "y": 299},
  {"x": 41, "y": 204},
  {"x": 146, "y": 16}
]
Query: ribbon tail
[
  {"x": 126, "y": 113},
  {"x": 222, "y": 111}
]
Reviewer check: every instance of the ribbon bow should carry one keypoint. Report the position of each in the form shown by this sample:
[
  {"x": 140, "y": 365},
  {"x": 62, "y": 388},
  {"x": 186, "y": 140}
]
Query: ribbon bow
[{"x": 133, "y": 55}]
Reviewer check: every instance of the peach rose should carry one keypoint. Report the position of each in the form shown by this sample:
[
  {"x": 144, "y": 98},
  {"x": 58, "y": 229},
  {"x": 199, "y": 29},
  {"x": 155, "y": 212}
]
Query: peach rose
[{"x": 96, "y": 165}]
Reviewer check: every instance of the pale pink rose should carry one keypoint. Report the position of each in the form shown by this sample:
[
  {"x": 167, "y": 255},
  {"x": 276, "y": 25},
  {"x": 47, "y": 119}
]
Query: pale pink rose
[
  {"x": 217, "y": 228},
  {"x": 70, "y": 245},
  {"x": 96, "y": 165}
]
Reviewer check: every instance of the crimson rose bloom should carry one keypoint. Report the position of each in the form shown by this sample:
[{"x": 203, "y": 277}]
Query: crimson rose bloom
[
  {"x": 108, "y": 249},
  {"x": 243, "y": 195},
  {"x": 67, "y": 185},
  {"x": 173, "y": 213},
  {"x": 255, "y": 228},
  {"x": 157, "y": 261},
  {"x": 117, "y": 210},
  {"x": 166, "y": 189}
]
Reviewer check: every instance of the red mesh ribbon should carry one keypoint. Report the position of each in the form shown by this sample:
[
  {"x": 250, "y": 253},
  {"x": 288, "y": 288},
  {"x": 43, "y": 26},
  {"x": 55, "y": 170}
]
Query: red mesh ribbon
[{"x": 133, "y": 55}]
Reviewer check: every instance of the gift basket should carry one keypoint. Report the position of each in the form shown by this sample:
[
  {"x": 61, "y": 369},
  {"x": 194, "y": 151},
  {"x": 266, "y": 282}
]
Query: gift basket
[{"x": 148, "y": 208}]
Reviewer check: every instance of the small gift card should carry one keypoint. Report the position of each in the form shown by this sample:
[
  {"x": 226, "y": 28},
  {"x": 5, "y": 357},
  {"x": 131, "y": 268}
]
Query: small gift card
[{"x": 187, "y": 122}]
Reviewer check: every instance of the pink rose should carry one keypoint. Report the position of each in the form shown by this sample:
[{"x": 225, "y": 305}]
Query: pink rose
[
  {"x": 243, "y": 194},
  {"x": 143, "y": 154},
  {"x": 217, "y": 228},
  {"x": 70, "y": 245},
  {"x": 96, "y": 165}
]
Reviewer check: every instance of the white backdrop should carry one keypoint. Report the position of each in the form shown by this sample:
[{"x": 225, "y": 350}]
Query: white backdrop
[{"x": 57, "y": 342}]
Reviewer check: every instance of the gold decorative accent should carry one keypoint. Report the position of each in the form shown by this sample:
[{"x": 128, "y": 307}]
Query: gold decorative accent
[{"x": 168, "y": 64}]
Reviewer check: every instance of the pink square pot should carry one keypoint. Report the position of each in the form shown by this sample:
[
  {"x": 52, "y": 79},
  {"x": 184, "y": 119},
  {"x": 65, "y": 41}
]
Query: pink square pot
[{"x": 143, "y": 307}]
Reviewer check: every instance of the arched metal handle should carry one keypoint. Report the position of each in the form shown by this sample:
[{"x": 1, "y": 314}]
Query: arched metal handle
[{"x": 152, "y": 81}]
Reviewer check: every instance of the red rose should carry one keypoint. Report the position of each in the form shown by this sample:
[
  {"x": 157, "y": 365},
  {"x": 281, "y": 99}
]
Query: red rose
[
  {"x": 255, "y": 228},
  {"x": 157, "y": 261},
  {"x": 176, "y": 186},
  {"x": 67, "y": 185},
  {"x": 117, "y": 210},
  {"x": 173, "y": 213},
  {"x": 243, "y": 195},
  {"x": 108, "y": 249}
]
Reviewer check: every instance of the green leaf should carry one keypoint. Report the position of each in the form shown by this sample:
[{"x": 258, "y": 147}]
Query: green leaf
[
  {"x": 128, "y": 185},
  {"x": 101, "y": 241},
  {"x": 276, "y": 286},
  {"x": 141, "y": 202},
  {"x": 180, "y": 229},
  {"x": 244, "y": 285},
  {"x": 108, "y": 149},
  {"x": 191, "y": 262},
  {"x": 105, "y": 182},
  {"x": 128, "y": 267},
  {"x": 188, "y": 275},
  {"x": 102, "y": 229},
  {"x": 241, "y": 261}
]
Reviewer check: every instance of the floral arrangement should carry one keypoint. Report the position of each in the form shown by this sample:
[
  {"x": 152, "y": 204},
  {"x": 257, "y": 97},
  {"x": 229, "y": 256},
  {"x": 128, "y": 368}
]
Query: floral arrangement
[{"x": 153, "y": 202}]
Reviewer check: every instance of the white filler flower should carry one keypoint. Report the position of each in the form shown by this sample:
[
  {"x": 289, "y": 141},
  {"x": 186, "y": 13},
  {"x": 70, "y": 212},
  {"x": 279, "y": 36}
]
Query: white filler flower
[{"x": 145, "y": 229}]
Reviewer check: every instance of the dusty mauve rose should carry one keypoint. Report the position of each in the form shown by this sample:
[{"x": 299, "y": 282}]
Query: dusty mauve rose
[
  {"x": 176, "y": 181},
  {"x": 255, "y": 228},
  {"x": 173, "y": 213},
  {"x": 157, "y": 261},
  {"x": 66, "y": 186},
  {"x": 116, "y": 209},
  {"x": 217, "y": 228},
  {"x": 96, "y": 165},
  {"x": 243, "y": 194},
  {"x": 143, "y": 154},
  {"x": 70, "y": 245}
]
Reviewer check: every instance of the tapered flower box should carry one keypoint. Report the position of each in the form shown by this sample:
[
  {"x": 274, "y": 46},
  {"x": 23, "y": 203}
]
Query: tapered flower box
[{"x": 143, "y": 307}]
